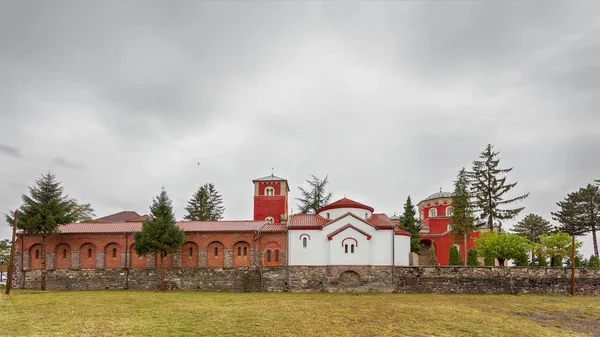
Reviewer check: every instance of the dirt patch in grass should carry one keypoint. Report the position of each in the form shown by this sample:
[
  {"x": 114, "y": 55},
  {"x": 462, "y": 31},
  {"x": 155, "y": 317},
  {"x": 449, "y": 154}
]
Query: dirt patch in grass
[{"x": 573, "y": 321}]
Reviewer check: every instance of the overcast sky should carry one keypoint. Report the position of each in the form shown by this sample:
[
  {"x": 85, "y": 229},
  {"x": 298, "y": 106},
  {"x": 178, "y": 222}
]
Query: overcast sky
[{"x": 389, "y": 99}]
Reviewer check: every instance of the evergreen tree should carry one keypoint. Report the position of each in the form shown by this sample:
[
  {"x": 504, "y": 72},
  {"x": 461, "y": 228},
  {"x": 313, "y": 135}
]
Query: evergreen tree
[
  {"x": 159, "y": 234},
  {"x": 532, "y": 227},
  {"x": 488, "y": 189},
  {"x": 315, "y": 197},
  {"x": 472, "y": 258},
  {"x": 206, "y": 204},
  {"x": 588, "y": 206},
  {"x": 411, "y": 224},
  {"x": 462, "y": 222},
  {"x": 44, "y": 210},
  {"x": 594, "y": 262},
  {"x": 454, "y": 254}
]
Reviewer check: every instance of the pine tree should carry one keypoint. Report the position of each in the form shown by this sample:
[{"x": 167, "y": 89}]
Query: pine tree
[
  {"x": 411, "y": 224},
  {"x": 206, "y": 204},
  {"x": 159, "y": 234},
  {"x": 45, "y": 210},
  {"x": 594, "y": 262},
  {"x": 588, "y": 207},
  {"x": 462, "y": 222},
  {"x": 315, "y": 197},
  {"x": 472, "y": 258},
  {"x": 454, "y": 254},
  {"x": 488, "y": 189},
  {"x": 532, "y": 227}
]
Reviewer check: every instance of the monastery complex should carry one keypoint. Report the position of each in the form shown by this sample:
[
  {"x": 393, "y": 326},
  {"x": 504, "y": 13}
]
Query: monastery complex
[{"x": 344, "y": 232}]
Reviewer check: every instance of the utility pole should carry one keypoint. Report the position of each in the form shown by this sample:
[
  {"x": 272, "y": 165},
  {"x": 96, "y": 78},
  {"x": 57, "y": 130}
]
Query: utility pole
[
  {"x": 12, "y": 254},
  {"x": 573, "y": 266}
]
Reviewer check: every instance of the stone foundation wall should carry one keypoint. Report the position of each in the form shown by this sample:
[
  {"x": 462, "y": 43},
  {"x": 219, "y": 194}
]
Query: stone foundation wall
[{"x": 465, "y": 280}]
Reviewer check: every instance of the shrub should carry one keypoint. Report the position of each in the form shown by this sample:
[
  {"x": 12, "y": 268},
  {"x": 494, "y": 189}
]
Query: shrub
[
  {"x": 521, "y": 260},
  {"x": 488, "y": 261},
  {"x": 455, "y": 259},
  {"x": 594, "y": 262},
  {"x": 472, "y": 258},
  {"x": 542, "y": 262}
]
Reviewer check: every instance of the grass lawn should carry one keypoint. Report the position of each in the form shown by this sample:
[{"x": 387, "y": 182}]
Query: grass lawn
[{"x": 137, "y": 313}]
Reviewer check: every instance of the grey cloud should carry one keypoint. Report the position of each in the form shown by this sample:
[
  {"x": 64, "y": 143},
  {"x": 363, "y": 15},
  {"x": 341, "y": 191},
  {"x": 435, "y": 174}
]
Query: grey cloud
[
  {"x": 11, "y": 151},
  {"x": 60, "y": 161}
]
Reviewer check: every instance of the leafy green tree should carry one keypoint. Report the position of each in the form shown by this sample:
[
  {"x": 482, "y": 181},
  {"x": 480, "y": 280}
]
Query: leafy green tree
[
  {"x": 411, "y": 224},
  {"x": 454, "y": 254},
  {"x": 489, "y": 261},
  {"x": 472, "y": 258},
  {"x": 206, "y": 204},
  {"x": 521, "y": 260},
  {"x": 557, "y": 246},
  {"x": 489, "y": 188},
  {"x": 532, "y": 227},
  {"x": 159, "y": 234},
  {"x": 594, "y": 262},
  {"x": 462, "y": 222},
  {"x": 504, "y": 246},
  {"x": 316, "y": 196},
  {"x": 45, "y": 209},
  {"x": 5, "y": 251}
]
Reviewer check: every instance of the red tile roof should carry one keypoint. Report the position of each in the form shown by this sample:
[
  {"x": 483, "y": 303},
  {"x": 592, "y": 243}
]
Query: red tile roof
[
  {"x": 119, "y": 217},
  {"x": 379, "y": 221},
  {"x": 343, "y": 228},
  {"x": 187, "y": 226},
  {"x": 140, "y": 218},
  {"x": 274, "y": 227},
  {"x": 346, "y": 203}
]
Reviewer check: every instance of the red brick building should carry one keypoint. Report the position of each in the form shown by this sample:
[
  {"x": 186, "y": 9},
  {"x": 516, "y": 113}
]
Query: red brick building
[{"x": 108, "y": 243}]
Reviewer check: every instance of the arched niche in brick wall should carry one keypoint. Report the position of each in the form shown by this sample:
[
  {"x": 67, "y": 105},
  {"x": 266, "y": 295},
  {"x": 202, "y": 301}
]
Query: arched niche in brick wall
[
  {"x": 112, "y": 256},
  {"x": 272, "y": 255},
  {"x": 35, "y": 256},
  {"x": 135, "y": 260},
  {"x": 87, "y": 257},
  {"x": 189, "y": 255},
  {"x": 62, "y": 252},
  {"x": 241, "y": 254},
  {"x": 216, "y": 254}
]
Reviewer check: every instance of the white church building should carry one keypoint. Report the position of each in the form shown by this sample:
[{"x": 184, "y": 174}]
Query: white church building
[{"x": 346, "y": 233}]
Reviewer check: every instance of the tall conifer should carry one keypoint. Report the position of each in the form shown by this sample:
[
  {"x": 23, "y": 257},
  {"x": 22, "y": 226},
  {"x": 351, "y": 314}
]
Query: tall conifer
[
  {"x": 489, "y": 188},
  {"x": 316, "y": 196},
  {"x": 532, "y": 226},
  {"x": 462, "y": 222},
  {"x": 410, "y": 223},
  {"x": 206, "y": 204},
  {"x": 159, "y": 234}
]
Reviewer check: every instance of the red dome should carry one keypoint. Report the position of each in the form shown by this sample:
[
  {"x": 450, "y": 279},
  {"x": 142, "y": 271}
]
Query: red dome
[{"x": 346, "y": 203}]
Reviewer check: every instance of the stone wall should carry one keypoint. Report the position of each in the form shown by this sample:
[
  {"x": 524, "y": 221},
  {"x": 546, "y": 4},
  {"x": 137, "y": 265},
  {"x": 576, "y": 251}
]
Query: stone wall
[{"x": 465, "y": 280}]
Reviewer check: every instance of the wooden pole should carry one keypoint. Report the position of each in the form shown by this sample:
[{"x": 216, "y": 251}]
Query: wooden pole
[
  {"x": 12, "y": 254},
  {"x": 573, "y": 266}
]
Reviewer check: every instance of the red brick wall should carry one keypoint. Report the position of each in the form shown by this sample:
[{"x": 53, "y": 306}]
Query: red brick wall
[
  {"x": 63, "y": 256},
  {"x": 87, "y": 257},
  {"x": 112, "y": 256},
  {"x": 137, "y": 261},
  {"x": 273, "y": 206},
  {"x": 241, "y": 254},
  {"x": 189, "y": 255},
  {"x": 216, "y": 254}
]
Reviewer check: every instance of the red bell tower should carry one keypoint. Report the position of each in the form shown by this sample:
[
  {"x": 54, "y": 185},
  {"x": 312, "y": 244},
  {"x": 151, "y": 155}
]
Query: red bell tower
[{"x": 271, "y": 199}]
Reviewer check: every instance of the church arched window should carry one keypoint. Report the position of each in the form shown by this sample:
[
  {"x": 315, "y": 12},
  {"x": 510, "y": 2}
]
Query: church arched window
[
  {"x": 449, "y": 211},
  {"x": 269, "y": 191},
  {"x": 432, "y": 213},
  {"x": 304, "y": 242}
]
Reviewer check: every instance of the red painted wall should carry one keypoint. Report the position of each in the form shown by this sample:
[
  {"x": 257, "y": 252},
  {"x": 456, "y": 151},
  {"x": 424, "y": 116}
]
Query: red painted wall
[
  {"x": 263, "y": 185},
  {"x": 273, "y": 206}
]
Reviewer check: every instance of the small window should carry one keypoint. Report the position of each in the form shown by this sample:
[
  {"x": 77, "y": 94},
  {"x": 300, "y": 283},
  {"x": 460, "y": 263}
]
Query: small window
[
  {"x": 432, "y": 213},
  {"x": 268, "y": 256},
  {"x": 277, "y": 256},
  {"x": 346, "y": 249},
  {"x": 245, "y": 251},
  {"x": 191, "y": 252},
  {"x": 366, "y": 215},
  {"x": 269, "y": 219},
  {"x": 114, "y": 253},
  {"x": 239, "y": 251},
  {"x": 216, "y": 251},
  {"x": 327, "y": 215},
  {"x": 89, "y": 253},
  {"x": 269, "y": 191},
  {"x": 449, "y": 211},
  {"x": 37, "y": 254},
  {"x": 64, "y": 254},
  {"x": 304, "y": 242},
  {"x": 352, "y": 249}
]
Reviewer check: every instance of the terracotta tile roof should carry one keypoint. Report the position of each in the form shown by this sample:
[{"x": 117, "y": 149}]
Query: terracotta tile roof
[
  {"x": 402, "y": 232},
  {"x": 380, "y": 221},
  {"x": 316, "y": 221},
  {"x": 346, "y": 203},
  {"x": 343, "y": 228},
  {"x": 119, "y": 217},
  {"x": 307, "y": 220},
  {"x": 274, "y": 227},
  {"x": 187, "y": 226},
  {"x": 141, "y": 218}
]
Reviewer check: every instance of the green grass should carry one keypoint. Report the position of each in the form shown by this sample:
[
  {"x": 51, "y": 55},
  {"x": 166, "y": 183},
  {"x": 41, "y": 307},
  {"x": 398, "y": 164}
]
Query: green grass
[{"x": 137, "y": 313}]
